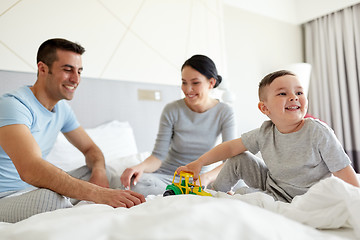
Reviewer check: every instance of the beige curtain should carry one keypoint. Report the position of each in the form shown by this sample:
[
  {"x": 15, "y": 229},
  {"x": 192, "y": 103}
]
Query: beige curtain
[{"x": 332, "y": 46}]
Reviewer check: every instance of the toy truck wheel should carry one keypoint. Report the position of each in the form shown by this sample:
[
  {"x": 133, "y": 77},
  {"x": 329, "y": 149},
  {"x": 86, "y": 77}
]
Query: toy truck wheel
[{"x": 168, "y": 192}]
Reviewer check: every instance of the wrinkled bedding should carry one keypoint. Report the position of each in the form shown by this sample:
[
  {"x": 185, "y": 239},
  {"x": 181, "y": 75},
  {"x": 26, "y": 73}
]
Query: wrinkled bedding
[
  {"x": 329, "y": 204},
  {"x": 175, "y": 217}
]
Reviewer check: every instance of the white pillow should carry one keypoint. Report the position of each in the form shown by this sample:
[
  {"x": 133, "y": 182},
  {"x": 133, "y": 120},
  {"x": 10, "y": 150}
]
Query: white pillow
[
  {"x": 115, "y": 139},
  {"x": 116, "y": 166}
]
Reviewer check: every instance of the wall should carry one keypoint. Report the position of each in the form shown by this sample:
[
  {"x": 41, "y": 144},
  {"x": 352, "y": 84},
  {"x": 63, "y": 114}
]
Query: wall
[
  {"x": 255, "y": 46},
  {"x": 292, "y": 11},
  {"x": 137, "y": 40},
  {"x": 148, "y": 41},
  {"x": 308, "y": 10}
]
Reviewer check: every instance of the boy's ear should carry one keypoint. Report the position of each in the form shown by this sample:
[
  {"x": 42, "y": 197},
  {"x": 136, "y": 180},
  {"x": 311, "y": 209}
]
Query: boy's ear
[{"x": 262, "y": 107}]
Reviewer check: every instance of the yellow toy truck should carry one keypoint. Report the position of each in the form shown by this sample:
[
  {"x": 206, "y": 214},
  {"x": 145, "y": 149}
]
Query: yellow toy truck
[{"x": 185, "y": 186}]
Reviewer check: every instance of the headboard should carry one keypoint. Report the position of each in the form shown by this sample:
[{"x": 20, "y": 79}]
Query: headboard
[{"x": 98, "y": 101}]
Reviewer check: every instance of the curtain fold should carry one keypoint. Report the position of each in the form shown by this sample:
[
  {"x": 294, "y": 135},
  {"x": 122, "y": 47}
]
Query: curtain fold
[{"x": 332, "y": 47}]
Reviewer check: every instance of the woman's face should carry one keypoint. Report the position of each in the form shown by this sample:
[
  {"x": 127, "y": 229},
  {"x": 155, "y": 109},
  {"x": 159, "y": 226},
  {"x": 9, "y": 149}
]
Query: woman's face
[{"x": 195, "y": 86}]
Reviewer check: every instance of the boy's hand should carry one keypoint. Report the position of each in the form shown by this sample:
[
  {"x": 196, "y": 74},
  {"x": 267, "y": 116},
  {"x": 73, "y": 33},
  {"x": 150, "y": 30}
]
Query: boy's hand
[{"x": 192, "y": 167}]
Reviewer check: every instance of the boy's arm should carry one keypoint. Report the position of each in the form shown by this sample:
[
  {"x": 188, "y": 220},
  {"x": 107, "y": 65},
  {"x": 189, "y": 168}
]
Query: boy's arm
[
  {"x": 220, "y": 152},
  {"x": 348, "y": 175}
]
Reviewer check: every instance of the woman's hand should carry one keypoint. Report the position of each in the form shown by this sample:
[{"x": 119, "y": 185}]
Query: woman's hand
[
  {"x": 150, "y": 164},
  {"x": 131, "y": 174}
]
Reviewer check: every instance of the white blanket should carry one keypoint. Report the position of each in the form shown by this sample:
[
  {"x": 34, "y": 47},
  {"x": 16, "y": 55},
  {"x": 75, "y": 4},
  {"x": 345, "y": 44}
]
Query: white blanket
[
  {"x": 175, "y": 217},
  {"x": 196, "y": 217},
  {"x": 329, "y": 204}
]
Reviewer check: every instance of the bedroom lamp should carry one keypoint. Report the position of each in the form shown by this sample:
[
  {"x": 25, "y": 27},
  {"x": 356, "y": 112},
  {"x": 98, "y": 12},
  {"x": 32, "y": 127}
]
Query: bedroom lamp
[
  {"x": 227, "y": 96},
  {"x": 303, "y": 71}
]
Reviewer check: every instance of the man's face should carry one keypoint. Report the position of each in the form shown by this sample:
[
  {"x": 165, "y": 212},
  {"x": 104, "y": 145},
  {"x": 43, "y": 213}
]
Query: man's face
[{"x": 64, "y": 76}]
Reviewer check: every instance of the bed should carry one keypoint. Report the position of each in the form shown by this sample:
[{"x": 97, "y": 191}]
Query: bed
[{"x": 329, "y": 210}]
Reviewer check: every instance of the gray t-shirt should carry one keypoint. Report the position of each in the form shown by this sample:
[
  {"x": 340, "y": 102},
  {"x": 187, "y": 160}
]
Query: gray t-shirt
[
  {"x": 297, "y": 160},
  {"x": 185, "y": 135}
]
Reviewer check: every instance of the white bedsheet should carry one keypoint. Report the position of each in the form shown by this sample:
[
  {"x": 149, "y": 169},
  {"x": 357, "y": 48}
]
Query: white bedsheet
[
  {"x": 327, "y": 205},
  {"x": 196, "y": 217},
  {"x": 175, "y": 217}
]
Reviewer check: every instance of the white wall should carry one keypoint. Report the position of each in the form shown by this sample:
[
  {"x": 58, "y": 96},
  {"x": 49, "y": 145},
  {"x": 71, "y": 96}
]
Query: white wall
[
  {"x": 309, "y": 9},
  {"x": 256, "y": 45},
  {"x": 134, "y": 40},
  {"x": 149, "y": 40},
  {"x": 292, "y": 11}
]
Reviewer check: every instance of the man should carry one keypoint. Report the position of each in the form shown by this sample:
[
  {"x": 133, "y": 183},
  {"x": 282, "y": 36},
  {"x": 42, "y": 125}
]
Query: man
[{"x": 30, "y": 120}]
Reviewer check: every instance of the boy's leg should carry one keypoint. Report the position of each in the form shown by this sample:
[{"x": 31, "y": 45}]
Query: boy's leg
[
  {"x": 17, "y": 208},
  {"x": 246, "y": 166}
]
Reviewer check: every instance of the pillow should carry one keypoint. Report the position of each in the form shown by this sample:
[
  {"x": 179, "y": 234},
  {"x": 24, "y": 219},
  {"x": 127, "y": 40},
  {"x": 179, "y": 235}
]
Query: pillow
[
  {"x": 115, "y": 139},
  {"x": 117, "y": 165}
]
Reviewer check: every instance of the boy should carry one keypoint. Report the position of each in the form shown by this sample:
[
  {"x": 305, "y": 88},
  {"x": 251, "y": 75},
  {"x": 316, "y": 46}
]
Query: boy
[{"x": 297, "y": 152}]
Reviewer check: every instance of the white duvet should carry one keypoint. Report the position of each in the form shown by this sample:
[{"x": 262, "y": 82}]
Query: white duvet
[{"x": 329, "y": 204}]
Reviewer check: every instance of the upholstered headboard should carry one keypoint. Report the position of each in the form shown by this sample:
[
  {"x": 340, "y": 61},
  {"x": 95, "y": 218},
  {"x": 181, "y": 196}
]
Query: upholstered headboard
[{"x": 98, "y": 101}]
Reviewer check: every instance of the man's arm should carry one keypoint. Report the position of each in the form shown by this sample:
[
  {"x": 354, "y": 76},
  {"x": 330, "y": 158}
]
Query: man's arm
[
  {"x": 93, "y": 156},
  {"x": 18, "y": 142}
]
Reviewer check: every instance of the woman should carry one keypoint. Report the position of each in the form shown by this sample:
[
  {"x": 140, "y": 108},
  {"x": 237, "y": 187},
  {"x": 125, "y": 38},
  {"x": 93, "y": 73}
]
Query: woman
[{"x": 189, "y": 127}]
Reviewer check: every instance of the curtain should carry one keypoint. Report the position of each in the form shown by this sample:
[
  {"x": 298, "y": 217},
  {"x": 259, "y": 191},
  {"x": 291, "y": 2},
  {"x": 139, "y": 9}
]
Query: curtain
[{"x": 332, "y": 47}]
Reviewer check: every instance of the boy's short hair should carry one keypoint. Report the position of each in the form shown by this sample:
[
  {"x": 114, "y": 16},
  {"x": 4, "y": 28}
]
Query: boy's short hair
[
  {"x": 47, "y": 50},
  {"x": 268, "y": 79}
]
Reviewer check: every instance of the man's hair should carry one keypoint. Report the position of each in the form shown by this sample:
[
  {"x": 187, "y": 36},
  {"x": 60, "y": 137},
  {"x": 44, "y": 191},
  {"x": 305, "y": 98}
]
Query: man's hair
[
  {"x": 47, "y": 50},
  {"x": 268, "y": 79}
]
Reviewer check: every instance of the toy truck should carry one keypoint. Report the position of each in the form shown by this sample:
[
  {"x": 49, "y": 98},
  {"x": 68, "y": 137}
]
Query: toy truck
[{"x": 186, "y": 185}]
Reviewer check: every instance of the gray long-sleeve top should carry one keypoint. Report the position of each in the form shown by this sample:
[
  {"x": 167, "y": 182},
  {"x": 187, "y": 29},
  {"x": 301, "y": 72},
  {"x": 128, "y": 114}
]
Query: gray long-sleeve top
[{"x": 185, "y": 135}]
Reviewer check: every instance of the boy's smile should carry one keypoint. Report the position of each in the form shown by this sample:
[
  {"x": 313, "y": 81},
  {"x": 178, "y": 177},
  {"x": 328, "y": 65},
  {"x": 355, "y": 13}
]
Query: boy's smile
[{"x": 285, "y": 103}]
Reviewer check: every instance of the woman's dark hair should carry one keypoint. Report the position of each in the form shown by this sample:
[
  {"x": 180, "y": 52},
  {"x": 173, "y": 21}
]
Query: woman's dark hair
[{"x": 205, "y": 66}]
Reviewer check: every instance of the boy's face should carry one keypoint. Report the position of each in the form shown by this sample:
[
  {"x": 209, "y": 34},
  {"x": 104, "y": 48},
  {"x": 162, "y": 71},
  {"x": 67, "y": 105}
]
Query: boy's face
[{"x": 285, "y": 102}]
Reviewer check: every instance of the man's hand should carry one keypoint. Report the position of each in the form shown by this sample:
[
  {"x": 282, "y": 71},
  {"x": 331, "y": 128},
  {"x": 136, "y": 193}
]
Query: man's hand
[{"x": 121, "y": 198}]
